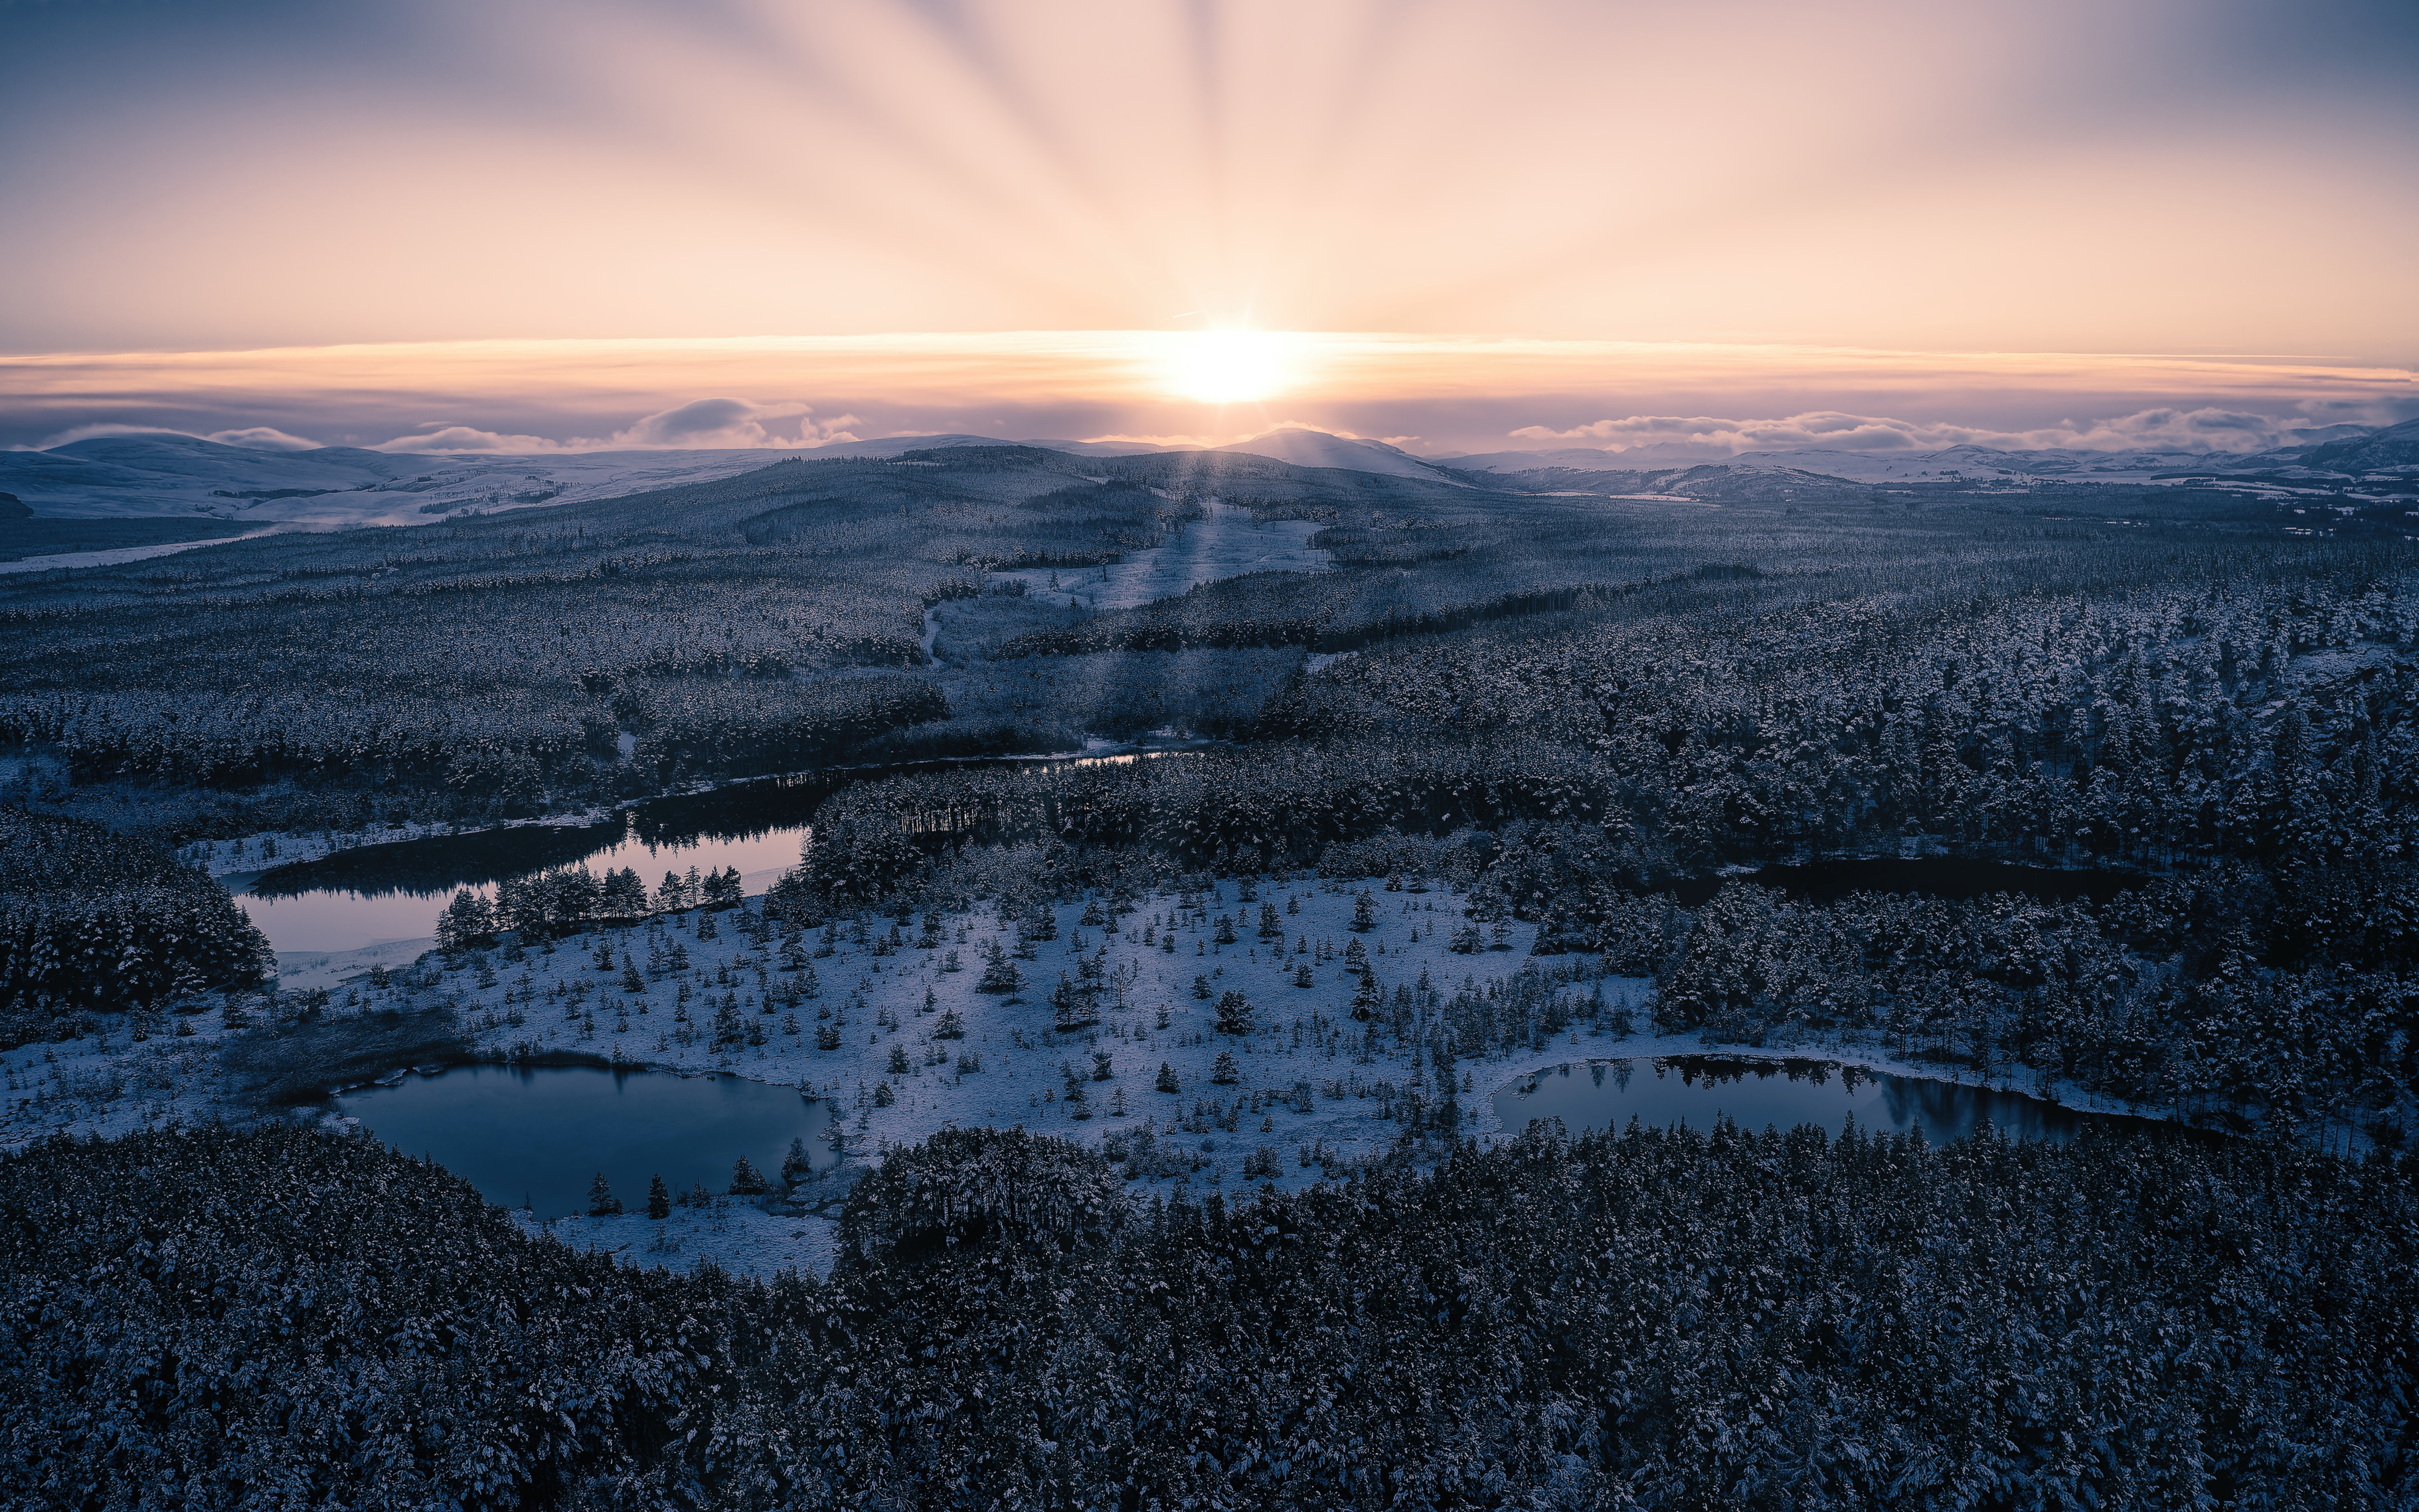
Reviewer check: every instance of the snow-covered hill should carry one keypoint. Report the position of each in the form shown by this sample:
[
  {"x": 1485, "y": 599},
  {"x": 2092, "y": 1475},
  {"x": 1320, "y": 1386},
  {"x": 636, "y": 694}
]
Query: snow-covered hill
[
  {"x": 157, "y": 474},
  {"x": 1317, "y": 449},
  {"x": 2394, "y": 448}
]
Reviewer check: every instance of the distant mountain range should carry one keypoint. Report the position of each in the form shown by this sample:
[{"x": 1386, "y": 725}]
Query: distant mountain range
[{"x": 155, "y": 475}]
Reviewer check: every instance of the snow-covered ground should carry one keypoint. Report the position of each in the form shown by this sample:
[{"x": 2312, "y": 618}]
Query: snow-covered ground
[
  {"x": 920, "y": 1047},
  {"x": 1226, "y": 544}
]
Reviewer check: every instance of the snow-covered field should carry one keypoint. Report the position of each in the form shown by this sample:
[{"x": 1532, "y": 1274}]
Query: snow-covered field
[
  {"x": 920, "y": 1047},
  {"x": 915, "y": 1045}
]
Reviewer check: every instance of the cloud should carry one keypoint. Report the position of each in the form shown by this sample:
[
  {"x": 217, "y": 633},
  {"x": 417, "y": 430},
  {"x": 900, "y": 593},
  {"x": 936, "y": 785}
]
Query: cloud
[
  {"x": 699, "y": 424},
  {"x": 714, "y": 423},
  {"x": 250, "y": 438},
  {"x": 468, "y": 439},
  {"x": 1172, "y": 442},
  {"x": 101, "y": 429},
  {"x": 2204, "y": 429},
  {"x": 262, "y": 439}
]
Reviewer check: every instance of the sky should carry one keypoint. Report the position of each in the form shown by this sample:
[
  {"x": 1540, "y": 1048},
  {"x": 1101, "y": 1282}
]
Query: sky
[{"x": 1465, "y": 227}]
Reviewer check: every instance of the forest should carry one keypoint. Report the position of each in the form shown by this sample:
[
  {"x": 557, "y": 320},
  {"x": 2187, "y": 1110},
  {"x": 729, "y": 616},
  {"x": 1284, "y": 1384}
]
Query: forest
[
  {"x": 1630, "y": 726},
  {"x": 285, "y": 1317}
]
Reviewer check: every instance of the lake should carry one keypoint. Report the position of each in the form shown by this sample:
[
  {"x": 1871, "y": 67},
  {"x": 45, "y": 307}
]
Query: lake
[
  {"x": 538, "y": 1135},
  {"x": 373, "y": 894},
  {"x": 1784, "y": 1093}
]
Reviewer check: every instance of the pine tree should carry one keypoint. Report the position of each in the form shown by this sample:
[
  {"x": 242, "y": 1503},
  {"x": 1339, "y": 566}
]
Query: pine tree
[
  {"x": 1167, "y": 1082},
  {"x": 999, "y": 975},
  {"x": 631, "y": 981},
  {"x": 467, "y": 922},
  {"x": 602, "y": 1203},
  {"x": 1201, "y": 986},
  {"x": 1225, "y": 1072},
  {"x": 728, "y": 1031},
  {"x": 1367, "y": 998},
  {"x": 745, "y": 1179},
  {"x": 1364, "y": 912},
  {"x": 795, "y": 1166},
  {"x": 1072, "y": 1007},
  {"x": 660, "y": 1198},
  {"x": 898, "y": 1066},
  {"x": 1234, "y": 1013}
]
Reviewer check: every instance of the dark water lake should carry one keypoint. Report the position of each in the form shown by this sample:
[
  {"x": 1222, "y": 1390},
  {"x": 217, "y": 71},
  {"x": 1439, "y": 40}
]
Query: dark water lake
[
  {"x": 1697, "y": 1089},
  {"x": 373, "y": 894},
  {"x": 539, "y": 1134}
]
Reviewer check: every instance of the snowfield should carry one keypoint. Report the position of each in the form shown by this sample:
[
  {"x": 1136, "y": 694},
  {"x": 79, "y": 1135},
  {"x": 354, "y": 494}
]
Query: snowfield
[{"x": 921, "y": 1047}]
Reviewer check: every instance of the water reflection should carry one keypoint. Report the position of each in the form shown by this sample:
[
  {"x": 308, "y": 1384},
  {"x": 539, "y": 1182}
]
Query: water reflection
[
  {"x": 375, "y": 894},
  {"x": 1783, "y": 1093},
  {"x": 539, "y": 1135}
]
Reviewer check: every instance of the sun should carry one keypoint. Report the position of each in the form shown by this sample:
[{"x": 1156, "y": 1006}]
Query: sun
[{"x": 1227, "y": 367}]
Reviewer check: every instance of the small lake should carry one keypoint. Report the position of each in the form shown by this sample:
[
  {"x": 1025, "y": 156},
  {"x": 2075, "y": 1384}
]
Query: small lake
[
  {"x": 538, "y": 1135},
  {"x": 373, "y": 894},
  {"x": 1783, "y": 1093}
]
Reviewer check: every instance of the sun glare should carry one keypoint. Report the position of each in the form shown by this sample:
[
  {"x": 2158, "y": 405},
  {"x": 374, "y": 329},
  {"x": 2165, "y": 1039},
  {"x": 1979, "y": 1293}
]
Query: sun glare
[{"x": 1227, "y": 367}]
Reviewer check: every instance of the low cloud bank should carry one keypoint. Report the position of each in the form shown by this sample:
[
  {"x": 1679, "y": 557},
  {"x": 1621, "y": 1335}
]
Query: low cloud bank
[
  {"x": 255, "y": 437},
  {"x": 2204, "y": 429},
  {"x": 699, "y": 424}
]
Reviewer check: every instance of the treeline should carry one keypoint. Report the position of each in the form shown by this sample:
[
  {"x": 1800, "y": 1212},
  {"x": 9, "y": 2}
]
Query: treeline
[
  {"x": 503, "y": 748},
  {"x": 1653, "y": 1320},
  {"x": 95, "y": 920},
  {"x": 1260, "y": 807}
]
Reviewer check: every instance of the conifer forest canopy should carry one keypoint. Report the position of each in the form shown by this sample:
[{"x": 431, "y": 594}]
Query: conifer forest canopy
[{"x": 1588, "y": 706}]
